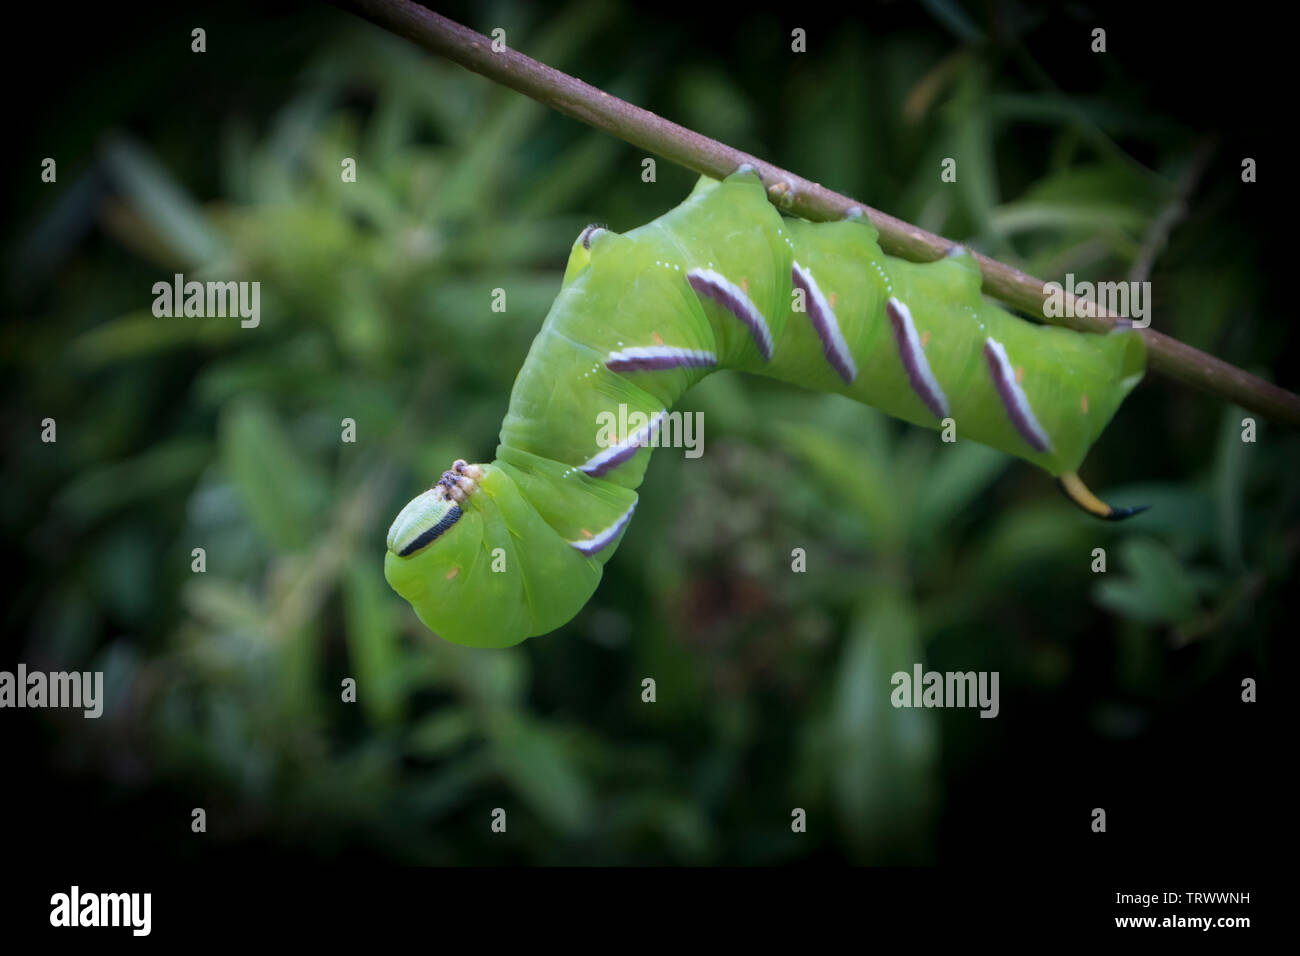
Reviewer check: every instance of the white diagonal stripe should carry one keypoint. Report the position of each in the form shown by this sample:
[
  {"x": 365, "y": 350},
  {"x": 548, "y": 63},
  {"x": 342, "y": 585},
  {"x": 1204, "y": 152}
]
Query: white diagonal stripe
[
  {"x": 598, "y": 542},
  {"x": 912, "y": 342},
  {"x": 638, "y": 439},
  {"x": 837, "y": 343},
  {"x": 1017, "y": 393},
  {"x": 755, "y": 321},
  {"x": 688, "y": 357}
]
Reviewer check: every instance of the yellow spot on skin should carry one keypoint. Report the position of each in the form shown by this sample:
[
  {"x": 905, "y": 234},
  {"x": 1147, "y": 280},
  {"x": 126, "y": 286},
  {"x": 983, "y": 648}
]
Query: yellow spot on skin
[
  {"x": 657, "y": 337},
  {"x": 925, "y": 339},
  {"x": 587, "y": 534},
  {"x": 452, "y": 573},
  {"x": 744, "y": 285},
  {"x": 832, "y": 300},
  {"x": 1020, "y": 374},
  {"x": 1083, "y": 403}
]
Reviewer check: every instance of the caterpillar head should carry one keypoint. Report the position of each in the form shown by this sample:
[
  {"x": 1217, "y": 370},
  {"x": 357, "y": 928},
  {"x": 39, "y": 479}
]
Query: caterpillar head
[
  {"x": 479, "y": 565},
  {"x": 435, "y": 547},
  {"x": 429, "y": 516}
]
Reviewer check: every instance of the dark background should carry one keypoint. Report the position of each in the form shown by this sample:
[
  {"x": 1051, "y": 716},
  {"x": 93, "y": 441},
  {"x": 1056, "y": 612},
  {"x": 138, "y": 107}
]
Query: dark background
[{"x": 1105, "y": 701}]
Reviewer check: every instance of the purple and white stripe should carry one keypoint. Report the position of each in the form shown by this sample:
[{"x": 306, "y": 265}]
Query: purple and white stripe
[
  {"x": 651, "y": 358},
  {"x": 825, "y": 324},
  {"x": 1013, "y": 397},
  {"x": 601, "y": 541},
  {"x": 918, "y": 371},
  {"x": 709, "y": 284},
  {"x": 613, "y": 456}
]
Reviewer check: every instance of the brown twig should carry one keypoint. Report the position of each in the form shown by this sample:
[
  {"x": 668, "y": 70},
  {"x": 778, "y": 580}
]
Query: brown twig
[{"x": 585, "y": 103}]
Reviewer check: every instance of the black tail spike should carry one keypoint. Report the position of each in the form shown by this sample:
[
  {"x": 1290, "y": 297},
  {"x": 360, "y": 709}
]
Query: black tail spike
[{"x": 1119, "y": 514}]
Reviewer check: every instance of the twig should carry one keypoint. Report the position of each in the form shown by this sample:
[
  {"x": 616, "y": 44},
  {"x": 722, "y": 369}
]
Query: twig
[{"x": 585, "y": 103}]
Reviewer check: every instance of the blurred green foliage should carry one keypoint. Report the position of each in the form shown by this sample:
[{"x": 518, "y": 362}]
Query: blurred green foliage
[{"x": 772, "y": 687}]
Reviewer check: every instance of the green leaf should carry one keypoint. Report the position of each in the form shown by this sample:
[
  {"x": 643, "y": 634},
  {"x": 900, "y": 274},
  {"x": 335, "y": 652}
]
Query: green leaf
[
  {"x": 1229, "y": 480},
  {"x": 283, "y": 495},
  {"x": 862, "y": 481},
  {"x": 884, "y": 758},
  {"x": 174, "y": 216},
  {"x": 1157, "y": 590},
  {"x": 1027, "y": 215},
  {"x": 373, "y": 641},
  {"x": 224, "y": 606},
  {"x": 142, "y": 334},
  {"x": 160, "y": 471},
  {"x": 532, "y": 756},
  {"x": 441, "y": 733},
  {"x": 957, "y": 474}
]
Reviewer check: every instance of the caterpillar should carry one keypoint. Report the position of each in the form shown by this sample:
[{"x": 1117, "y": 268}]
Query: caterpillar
[{"x": 495, "y": 553}]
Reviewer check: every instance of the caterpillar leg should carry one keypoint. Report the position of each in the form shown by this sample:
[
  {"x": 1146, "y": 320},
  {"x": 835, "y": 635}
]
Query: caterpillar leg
[{"x": 1074, "y": 489}]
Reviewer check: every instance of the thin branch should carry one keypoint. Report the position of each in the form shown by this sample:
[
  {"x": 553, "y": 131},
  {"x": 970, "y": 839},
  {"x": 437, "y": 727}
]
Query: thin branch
[{"x": 585, "y": 103}]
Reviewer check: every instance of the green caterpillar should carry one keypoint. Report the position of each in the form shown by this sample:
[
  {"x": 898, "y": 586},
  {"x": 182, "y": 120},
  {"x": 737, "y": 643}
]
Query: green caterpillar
[{"x": 495, "y": 553}]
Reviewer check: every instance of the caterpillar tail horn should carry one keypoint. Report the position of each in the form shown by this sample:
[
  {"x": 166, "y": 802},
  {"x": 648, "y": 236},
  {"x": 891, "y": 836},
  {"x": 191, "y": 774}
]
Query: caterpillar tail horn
[{"x": 1074, "y": 489}]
